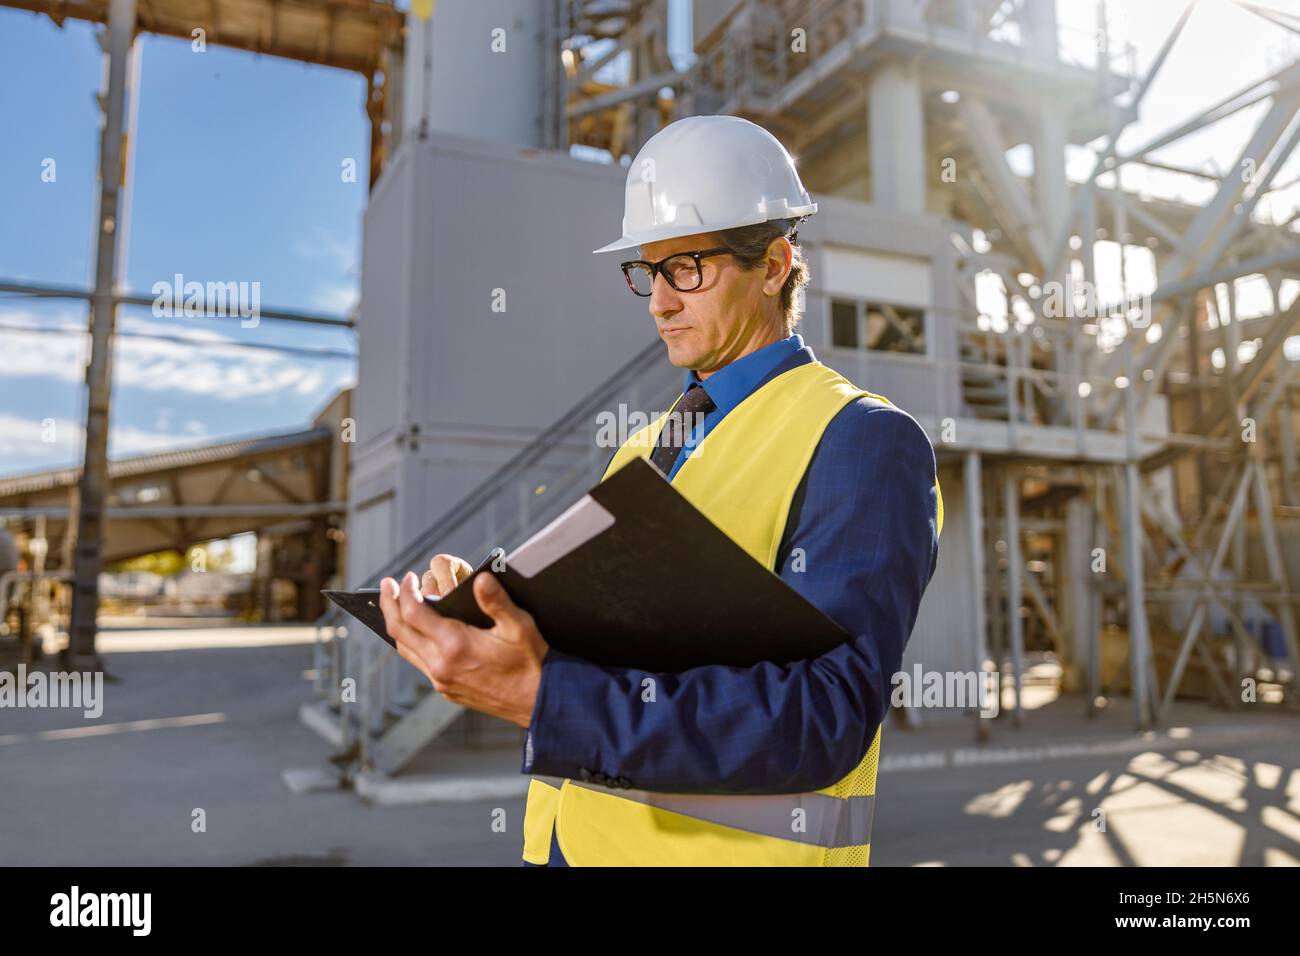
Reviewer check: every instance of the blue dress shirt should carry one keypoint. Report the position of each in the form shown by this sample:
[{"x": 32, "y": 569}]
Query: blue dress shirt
[{"x": 861, "y": 543}]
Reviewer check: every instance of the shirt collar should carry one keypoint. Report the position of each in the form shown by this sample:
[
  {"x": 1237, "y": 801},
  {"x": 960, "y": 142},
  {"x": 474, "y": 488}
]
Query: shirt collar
[{"x": 733, "y": 383}]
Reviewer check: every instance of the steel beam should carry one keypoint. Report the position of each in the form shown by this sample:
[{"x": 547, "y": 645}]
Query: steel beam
[
  {"x": 1140, "y": 664},
  {"x": 1273, "y": 555},
  {"x": 1015, "y": 629},
  {"x": 1019, "y": 217},
  {"x": 80, "y": 653},
  {"x": 181, "y": 512},
  {"x": 971, "y": 476}
]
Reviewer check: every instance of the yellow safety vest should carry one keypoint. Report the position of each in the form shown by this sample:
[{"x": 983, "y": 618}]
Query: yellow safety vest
[{"x": 743, "y": 476}]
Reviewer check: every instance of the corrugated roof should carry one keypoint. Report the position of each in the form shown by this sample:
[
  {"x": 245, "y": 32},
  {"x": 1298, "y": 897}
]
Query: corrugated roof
[
  {"x": 350, "y": 34},
  {"x": 167, "y": 460}
]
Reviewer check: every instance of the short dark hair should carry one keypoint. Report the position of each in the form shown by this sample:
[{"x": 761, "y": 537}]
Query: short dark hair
[{"x": 749, "y": 246}]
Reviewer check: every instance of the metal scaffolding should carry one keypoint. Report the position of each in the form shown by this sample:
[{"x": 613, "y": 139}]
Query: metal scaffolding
[
  {"x": 1129, "y": 472},
  {"x": 1062, "y": 450},
  {"x": 1066, "y": 429}
]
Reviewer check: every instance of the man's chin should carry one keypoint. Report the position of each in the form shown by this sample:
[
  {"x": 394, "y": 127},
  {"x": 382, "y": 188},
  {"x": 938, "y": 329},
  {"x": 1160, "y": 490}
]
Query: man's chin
[{"x": 681, "y": 357}]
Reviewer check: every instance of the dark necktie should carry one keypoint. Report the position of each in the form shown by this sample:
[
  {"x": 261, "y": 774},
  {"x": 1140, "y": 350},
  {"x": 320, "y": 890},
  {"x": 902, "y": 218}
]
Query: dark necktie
[{"x": 681, "y": 421}]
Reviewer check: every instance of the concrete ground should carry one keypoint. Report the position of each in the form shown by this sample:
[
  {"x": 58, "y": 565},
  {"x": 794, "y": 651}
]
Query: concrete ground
[
  {"x": 1212, "y": 788},
  {"x": 211, "y": 728},
  {"x": 196, "y": 723}
]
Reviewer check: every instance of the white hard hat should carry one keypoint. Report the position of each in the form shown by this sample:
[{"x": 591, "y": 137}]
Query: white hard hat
[{"x": 705, "y": 174}]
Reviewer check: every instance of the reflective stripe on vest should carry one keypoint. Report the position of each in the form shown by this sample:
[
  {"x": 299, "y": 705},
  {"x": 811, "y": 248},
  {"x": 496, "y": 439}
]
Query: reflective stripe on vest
[{"x": 827, "y": 821}]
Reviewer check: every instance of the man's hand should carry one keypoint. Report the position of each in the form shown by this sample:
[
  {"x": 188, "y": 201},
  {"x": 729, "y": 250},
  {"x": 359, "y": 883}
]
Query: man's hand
[{"x": 495, "y": 670}]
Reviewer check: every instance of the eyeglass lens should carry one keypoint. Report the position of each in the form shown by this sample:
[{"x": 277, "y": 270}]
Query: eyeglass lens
[{"x": 682, "y": 273}]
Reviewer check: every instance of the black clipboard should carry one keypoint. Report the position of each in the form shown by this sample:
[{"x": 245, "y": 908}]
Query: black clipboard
[{"x": 633, "y": 575}]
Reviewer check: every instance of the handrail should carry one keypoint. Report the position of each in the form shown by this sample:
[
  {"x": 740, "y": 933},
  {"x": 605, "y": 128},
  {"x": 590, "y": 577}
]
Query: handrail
[
  {"x": 497, "y": 487},
  {"x": 468, "y": 506}
]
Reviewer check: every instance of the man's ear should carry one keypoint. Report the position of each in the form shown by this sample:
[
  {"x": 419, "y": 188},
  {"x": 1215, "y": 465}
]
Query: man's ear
[{"x": 780, "y": 260}]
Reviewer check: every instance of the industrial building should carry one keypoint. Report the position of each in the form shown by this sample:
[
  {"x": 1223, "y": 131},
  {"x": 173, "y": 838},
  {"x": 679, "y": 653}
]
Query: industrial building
[
  {"x": 901, "y": 115},
  {"x": 1119, "y": 474}
]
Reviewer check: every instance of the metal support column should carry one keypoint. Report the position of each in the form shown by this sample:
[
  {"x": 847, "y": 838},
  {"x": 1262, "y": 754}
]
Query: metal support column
[
  {"x": 975, "y": 527},
  {"x": 1139, "y": 645},
  {"x": 896, "y": 118},
  {"x": 94, "y": 477},
  {"x": 1276, "y": 563},
  {"x": 1015, "y": 628}
]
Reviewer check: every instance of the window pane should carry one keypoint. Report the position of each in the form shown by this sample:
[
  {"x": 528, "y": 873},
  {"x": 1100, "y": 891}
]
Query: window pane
[
  {"x": 844, "y": 324},
  {"x": 895, "y": 328}
]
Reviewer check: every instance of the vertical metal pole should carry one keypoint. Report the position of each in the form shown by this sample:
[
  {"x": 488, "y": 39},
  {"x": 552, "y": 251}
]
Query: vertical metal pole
[
  {"x": 40, "y": 548},
  {"x": 1273, "y": 555},
  {"x": 1087, "y": 256},
  {"x": 554, "y": 121},
  {"x": 1097, "y": 516},
  {"x": 1137, "y": 613},
  {"x": 1013, "y": 383},
  {"x": 1231, "y": 348},
  {"x": 1198, "y": 388},
  {"x": 94, "y": 476},
  {"x": 1015, "y": 630},
  {"x": 975, "y": 526},
  {"x": 1286, "y": 428},
  {"x": 1139, "y": 652}
]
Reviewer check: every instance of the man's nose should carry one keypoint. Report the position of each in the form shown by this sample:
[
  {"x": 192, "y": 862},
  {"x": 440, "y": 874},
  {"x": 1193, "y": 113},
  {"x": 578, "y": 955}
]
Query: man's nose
[{"x": 664, "y": 299}]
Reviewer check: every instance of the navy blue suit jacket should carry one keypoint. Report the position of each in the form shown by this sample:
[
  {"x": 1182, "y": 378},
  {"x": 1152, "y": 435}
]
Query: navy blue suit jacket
[{"x": 861, "y": 544}]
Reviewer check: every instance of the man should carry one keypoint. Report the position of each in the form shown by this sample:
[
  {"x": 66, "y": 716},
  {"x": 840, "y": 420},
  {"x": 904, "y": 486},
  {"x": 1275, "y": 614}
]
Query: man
[{"x": 831, "y": 487}]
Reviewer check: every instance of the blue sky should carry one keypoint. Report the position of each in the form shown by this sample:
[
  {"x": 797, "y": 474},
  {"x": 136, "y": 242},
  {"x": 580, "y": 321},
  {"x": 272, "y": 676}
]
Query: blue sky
[{"x": 236, "y": 178}]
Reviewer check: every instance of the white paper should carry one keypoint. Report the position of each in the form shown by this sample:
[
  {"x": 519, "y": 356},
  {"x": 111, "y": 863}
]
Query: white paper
[{"x": 578, "y": 525}]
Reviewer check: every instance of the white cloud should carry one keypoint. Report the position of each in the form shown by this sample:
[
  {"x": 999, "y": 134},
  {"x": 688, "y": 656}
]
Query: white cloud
[
  {"x": 37, "y": 440},
  {"x": 342, "y": 256},
  {"x": 27, "y": 444},
  {"x": 330, "y": 247},
  {"x": 338, "y": 299},
  {"x": 217, "y": 368}
]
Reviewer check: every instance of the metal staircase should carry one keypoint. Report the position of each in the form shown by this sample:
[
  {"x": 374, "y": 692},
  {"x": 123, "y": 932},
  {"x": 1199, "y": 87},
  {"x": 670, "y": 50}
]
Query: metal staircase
[
  {"x": 380, "y": 733},
  {"x": 983, "y": 385}
]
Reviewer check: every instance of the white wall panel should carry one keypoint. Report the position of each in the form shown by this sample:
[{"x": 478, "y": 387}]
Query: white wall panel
[{"x": 901, "y": 280}]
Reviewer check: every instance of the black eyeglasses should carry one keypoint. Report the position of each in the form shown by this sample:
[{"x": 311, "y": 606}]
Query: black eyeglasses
[{"x": 682, "y": 270}]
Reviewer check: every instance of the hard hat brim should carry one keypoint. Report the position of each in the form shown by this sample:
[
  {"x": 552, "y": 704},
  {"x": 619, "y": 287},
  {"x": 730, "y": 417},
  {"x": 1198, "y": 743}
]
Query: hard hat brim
[
  {"x": 676, "y": 232},
  {"x": 623, "y": 243}
]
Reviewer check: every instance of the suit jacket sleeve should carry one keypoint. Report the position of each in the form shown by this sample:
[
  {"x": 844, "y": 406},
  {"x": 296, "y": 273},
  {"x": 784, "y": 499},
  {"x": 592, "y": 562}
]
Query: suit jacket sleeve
[{"x": 861, "y": 544}]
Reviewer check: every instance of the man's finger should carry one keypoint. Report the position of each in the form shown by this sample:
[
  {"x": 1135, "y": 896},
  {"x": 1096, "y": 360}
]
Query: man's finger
[
  {"x": 443, "y": 575},
  {"x": 419, "y": 616},
  {"x": 414, "y": 645},
  {"x": 388, "y": 592},
  {"x": 411, "y": 602},
  {"x": 429, "y": 583}
]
